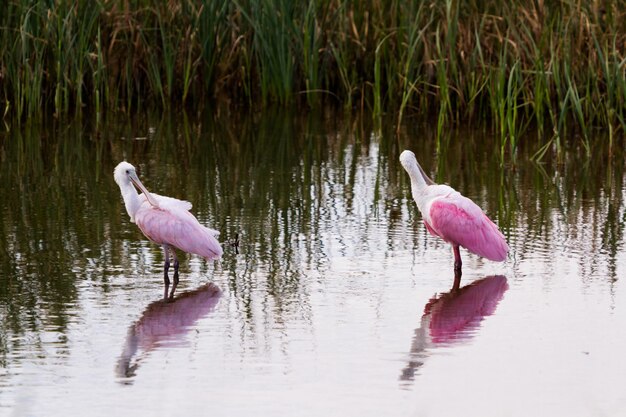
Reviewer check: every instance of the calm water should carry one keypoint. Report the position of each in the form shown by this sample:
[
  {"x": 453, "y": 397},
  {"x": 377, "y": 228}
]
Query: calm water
[{"x": 339, "y": 301}]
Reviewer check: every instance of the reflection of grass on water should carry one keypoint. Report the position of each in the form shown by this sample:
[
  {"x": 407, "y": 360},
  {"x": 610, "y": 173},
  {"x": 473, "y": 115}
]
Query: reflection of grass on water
[
  {"x": 283, "y": 181},
  {"x": 552, "y": 64}
]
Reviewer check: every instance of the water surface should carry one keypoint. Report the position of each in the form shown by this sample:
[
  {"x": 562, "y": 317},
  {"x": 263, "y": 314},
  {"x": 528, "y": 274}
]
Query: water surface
[{"x": 338, "y": 303}]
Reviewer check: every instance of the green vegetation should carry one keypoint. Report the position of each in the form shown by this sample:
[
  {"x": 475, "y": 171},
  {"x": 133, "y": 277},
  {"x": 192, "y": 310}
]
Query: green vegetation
[{"x": 554, "y": 65}]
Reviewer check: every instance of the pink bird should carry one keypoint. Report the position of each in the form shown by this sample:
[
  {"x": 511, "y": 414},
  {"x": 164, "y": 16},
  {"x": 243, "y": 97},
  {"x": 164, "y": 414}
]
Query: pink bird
[
  {"x": 165, "y": 221},
  {"x": 453, "y": 217}
]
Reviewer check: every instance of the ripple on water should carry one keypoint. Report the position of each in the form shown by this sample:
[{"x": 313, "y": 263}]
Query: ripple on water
[{"x": 336, "y": 278}]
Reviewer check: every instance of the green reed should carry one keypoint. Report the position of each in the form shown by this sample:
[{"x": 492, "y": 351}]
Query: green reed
[{"x": 556, "y": 66}]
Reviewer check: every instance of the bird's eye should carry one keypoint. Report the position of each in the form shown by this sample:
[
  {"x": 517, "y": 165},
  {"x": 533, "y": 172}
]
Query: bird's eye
[{"x": 128, "y": 171}]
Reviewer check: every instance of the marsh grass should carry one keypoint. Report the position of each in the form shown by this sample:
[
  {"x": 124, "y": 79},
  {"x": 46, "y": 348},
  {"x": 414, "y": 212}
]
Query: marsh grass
[{"x": 556, "y": 66}]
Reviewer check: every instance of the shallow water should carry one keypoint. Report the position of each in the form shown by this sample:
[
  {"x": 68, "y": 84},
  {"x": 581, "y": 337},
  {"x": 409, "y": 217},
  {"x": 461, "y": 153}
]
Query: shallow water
[{"x": 338, "y": 302}]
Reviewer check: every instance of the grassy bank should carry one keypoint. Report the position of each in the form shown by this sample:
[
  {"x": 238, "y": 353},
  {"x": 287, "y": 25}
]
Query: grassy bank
[{"x": 511, "y": 64}]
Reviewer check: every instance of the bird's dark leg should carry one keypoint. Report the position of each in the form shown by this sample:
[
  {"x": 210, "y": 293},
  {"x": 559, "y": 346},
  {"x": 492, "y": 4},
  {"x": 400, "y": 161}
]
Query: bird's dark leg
[
  {"x": 457, "y": 260},
  {"x": 166, "y": 267},
  {"x": 175, "y": 273}
]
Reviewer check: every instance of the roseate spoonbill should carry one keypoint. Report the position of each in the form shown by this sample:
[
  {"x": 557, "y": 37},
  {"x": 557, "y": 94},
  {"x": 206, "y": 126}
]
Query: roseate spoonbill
[
  {"x": 453, "y": 217},
  {"x": 165, "y": 221}
]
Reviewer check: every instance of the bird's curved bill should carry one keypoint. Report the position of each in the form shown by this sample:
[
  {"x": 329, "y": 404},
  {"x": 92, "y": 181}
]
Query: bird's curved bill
[
  {"x": 135, "y": 179},
  {"x": 426, "y": 178}
]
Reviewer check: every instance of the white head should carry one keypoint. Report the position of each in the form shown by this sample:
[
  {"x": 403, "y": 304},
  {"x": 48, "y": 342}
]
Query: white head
[
  {"x": 122, "y": 173},
  {"x": 407, "y": 158},
  {"x": 415, "y": 171},
  {"x": 126, "y": 176}
]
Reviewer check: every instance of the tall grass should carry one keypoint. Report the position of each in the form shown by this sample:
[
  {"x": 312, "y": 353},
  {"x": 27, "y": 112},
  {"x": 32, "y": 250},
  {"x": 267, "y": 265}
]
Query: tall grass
[{"x": 558, "y": 66}]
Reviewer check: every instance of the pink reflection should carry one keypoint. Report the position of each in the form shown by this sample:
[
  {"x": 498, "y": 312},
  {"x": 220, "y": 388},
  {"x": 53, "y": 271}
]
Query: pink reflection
[
  {"x": 454, "y": 316},
  {"x": 165, "y": 321}
]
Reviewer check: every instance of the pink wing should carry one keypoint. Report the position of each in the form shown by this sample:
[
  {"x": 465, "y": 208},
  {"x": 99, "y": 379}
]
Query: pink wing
[
  {"x": 459, "y": 221},
  {"x": 179, "y": 228}
]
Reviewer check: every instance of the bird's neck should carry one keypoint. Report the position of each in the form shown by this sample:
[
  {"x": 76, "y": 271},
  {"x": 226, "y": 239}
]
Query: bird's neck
[
  {"x": 131, "y": 200},
  {"x": 418, "y": 182}
]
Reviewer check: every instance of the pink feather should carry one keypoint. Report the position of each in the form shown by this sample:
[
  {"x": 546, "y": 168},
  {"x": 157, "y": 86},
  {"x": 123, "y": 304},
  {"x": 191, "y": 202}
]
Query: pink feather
[
  {"x": 174, "y": 225},
  {"x": 457, "y": 220}
]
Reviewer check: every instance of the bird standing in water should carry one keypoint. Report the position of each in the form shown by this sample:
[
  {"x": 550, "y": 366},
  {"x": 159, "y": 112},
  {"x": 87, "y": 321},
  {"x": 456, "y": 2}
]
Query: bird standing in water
[
  {"x": 454, "y": 218},
  {"x": 165, "y": 221}
]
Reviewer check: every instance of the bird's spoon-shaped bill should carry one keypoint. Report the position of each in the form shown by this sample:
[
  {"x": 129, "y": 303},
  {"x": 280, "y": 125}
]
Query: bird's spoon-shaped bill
[{"x": 135, "y": 179}]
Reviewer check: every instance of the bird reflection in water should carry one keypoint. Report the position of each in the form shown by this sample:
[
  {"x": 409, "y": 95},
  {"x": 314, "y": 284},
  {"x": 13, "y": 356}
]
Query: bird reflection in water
[
  {"x": 452, "y": 317},
  {"x": 164, "y": 321}
]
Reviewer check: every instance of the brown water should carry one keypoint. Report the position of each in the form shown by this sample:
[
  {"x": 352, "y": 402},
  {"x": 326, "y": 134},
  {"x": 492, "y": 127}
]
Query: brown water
[{"x": 339, "y": 301}]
